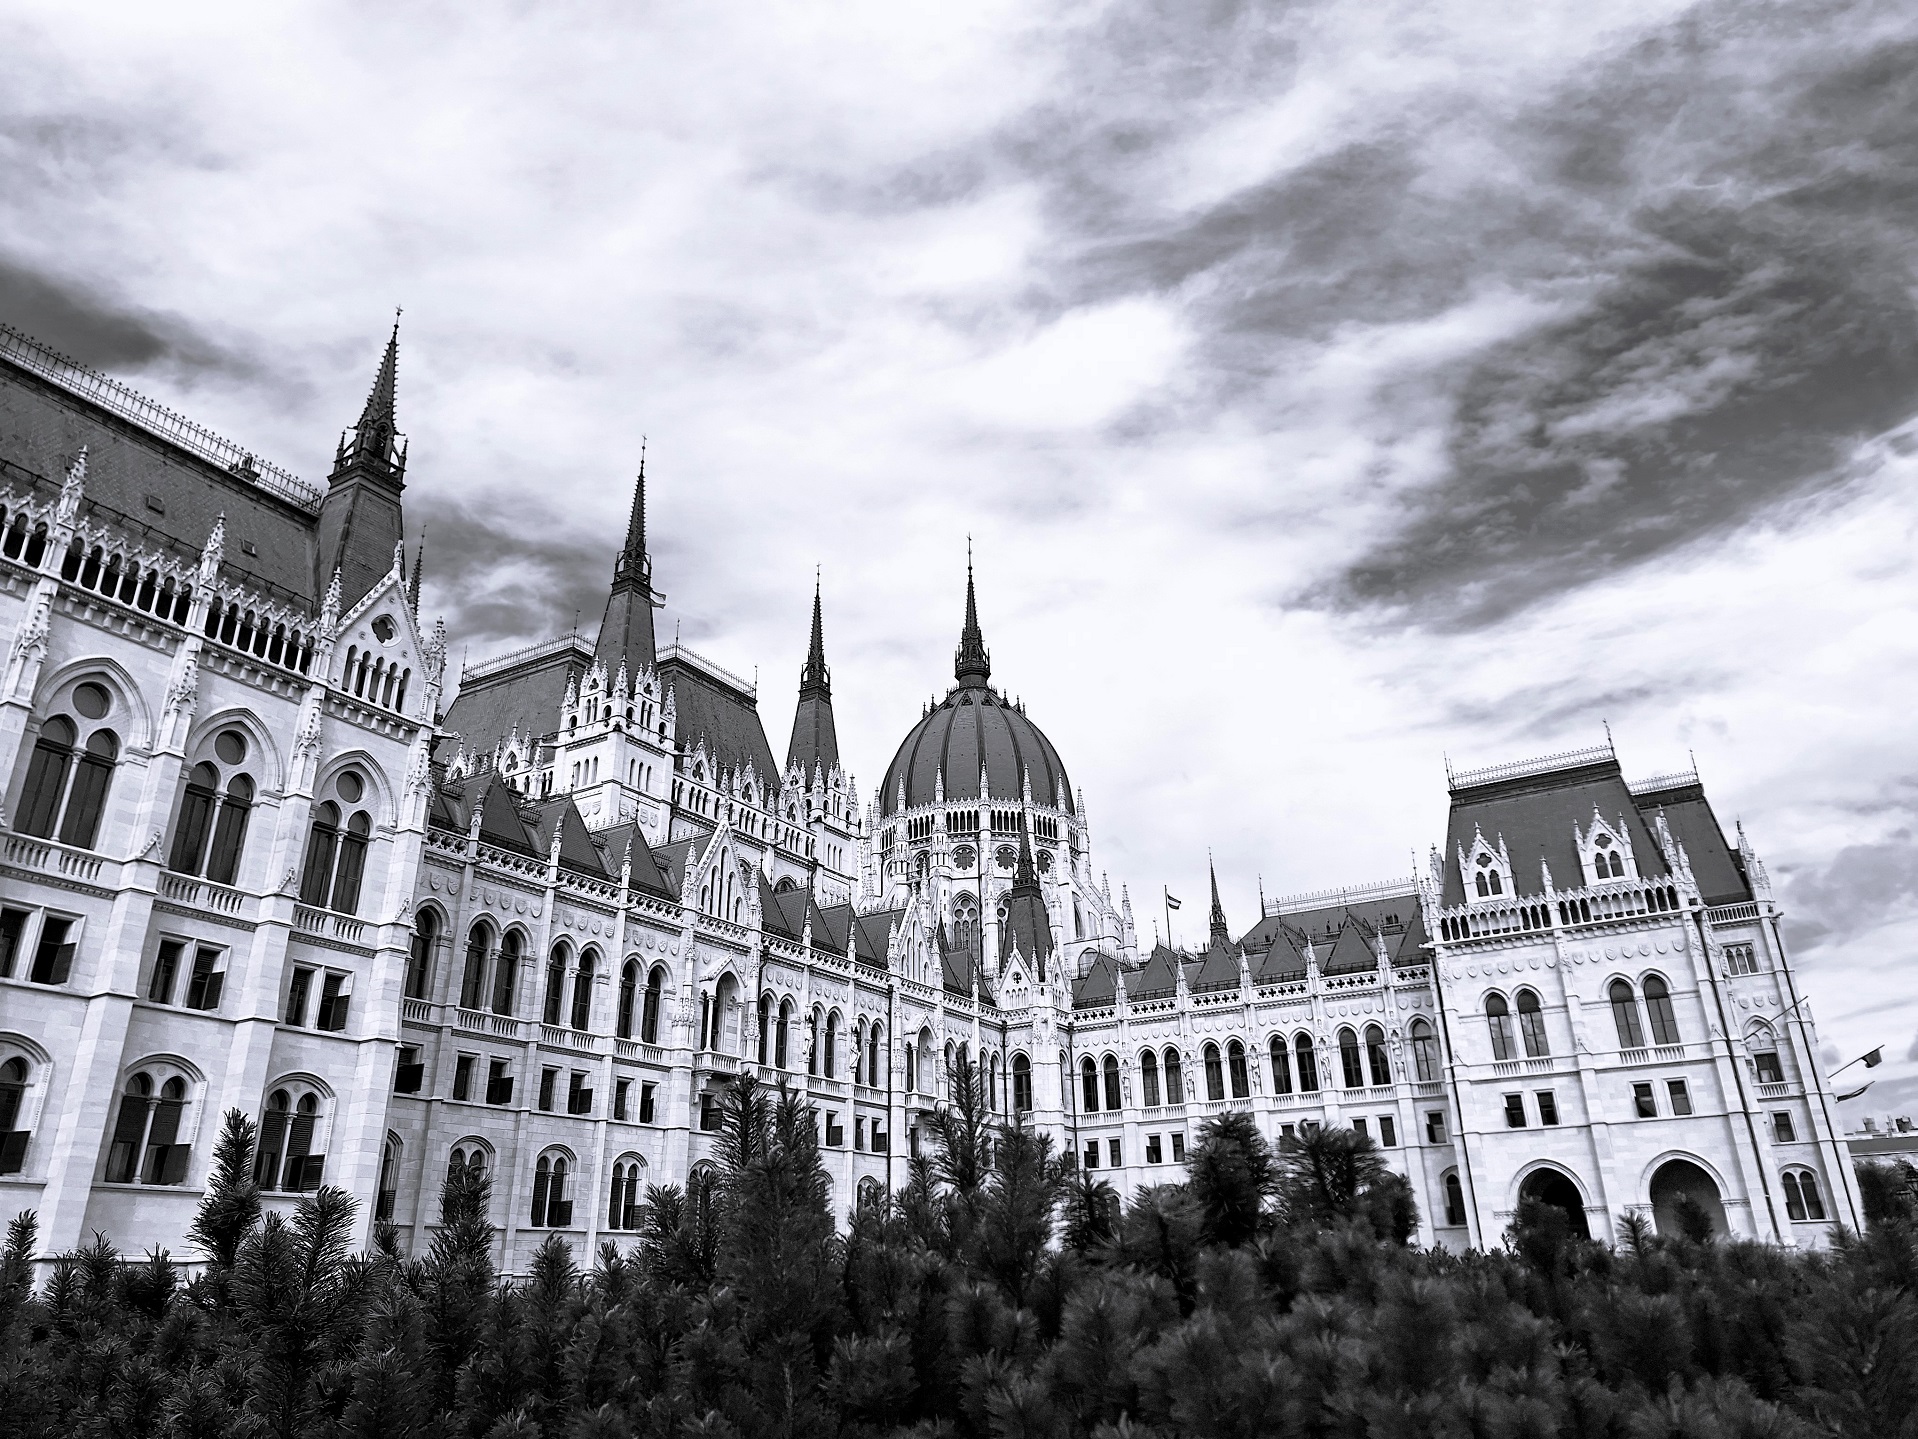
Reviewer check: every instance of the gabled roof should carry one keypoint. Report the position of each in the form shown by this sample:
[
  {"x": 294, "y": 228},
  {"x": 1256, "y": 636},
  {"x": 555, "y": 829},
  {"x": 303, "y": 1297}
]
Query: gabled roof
[
  {"x": 959, "y": 962},
  {"x": 1284, "y": 956},
  {"x": 1218, "y": 968},
  {"x": 872, "y": 932},
  {"x": 648, "y": 874},
  {"x": 784, "y": 912},
  {"x": 501, "y": 823},
  {"x": 576, "y": 848},
  {"x": 1155, "y": 977},
  {"x": 1099, "y": 985},
  {"x": 726, "y": 719},
  {"x": 1352, "y": 951},
  {"x": 831, "y": 928},
  {"x": 1411, "y": 944}
]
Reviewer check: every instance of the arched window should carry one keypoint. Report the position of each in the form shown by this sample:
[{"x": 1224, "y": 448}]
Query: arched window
[
  {"x": 655, "y": 992},
  {"x": 1658, "y": 1004},
  {"x": 551, "y": 1208},
  {"x": 1531, "y": 1025},
  {"x": 992, "y": 1084},
  {"x": 1353, "y": 1075},
  {"x": 1149, "y": 1079},
  {"x": 203, "y": 842},
  {"x": 1281, "y": 1065},
  {"x": 289, "y": 1138},
  {"x": 912, "y": 1069},
  {"x": 1214, "y": 1072},
  {"x": 1376, "y": 1059},
  {"x": 1021, "y": 1083},
  {"x": 556, "y": 982},
  {"x": 419, "y": 958},
  {"x": 71, "y": 769},
  {"x": 1174, "y": 1078},
  {"x": 1498, "y": 1017},
  {"x": 812, "y": 1041},
  {"x": 1236, "y": 1071},
  {"x": 871, "y": 1193},
  {"x": 145, "y": 1148},
  {"x": 1113, "y": 1100},
  {"x": 873, "y": 1037},
  {"x": 1487, "y": 880},
  {"x": 1625, "y": 1015},
  {"x": 388, "y": 1194},
  {"x": 1425, "y": 1062},
  {"x": 622, "y": 1202},
  {"x": 13, "y": 1099},
  {"x": 1766, "y": 1068},
  {"x": 195, "y": 825},
  {"x": 628, "y": 996},
  {"x": 479, "y": 943},
  {"x": 336, "y": 851},
  {"x": 506, "y": 973},
  {"x": 765, "y": 1025},
  {"x": 1802, "y": 1200},
  {"x": 1089, "y": 1083},
  {"x": 1454, "y": 1200},
  {"x": 781, "y": 1031},
  {"x": 832, "y": 1042},
  {"x": 1308, "y": 1064},
  {"x": 470, "y": 1157},
  {"x": 582, "y": 1015}
]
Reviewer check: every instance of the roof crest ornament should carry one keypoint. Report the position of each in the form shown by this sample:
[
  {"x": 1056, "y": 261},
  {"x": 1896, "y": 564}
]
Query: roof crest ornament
[{"x": 72, "y": 487}]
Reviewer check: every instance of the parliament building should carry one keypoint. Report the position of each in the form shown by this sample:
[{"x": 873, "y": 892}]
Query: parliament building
[{"x": 261, "y": 850}]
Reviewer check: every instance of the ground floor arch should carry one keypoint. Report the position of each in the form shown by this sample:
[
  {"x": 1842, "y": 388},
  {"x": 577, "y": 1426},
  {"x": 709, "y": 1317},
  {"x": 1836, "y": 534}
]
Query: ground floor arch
[
  {"x": 1677, "y": 1186},
  {"x": 1552, "y": 1186}
]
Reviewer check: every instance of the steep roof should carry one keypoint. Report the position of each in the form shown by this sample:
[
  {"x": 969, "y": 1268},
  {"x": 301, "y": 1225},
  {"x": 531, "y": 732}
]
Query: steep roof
[
  {"x": 1284, "y": 955},
  {"x": 511, "y": 693},
  {"x": 1352, "y": 951},
  {"x": 726, "y": 718},
  {"x": 815, "y": 738},
  {"x": 872, "y": 933},
  {"x": 831, "y": 928},
  {"x": 1156, "y": 976},
  {"x": 647, "y": 873},
  {"x": 1218, "y": 968},
  {"x": 577, "y": 851},
  {"x": 1099, "y": 985},
  {"x": 1533, "y": 810},
  {"x": 129, "y": 469},
  {"x": 1716, "y": 865}
]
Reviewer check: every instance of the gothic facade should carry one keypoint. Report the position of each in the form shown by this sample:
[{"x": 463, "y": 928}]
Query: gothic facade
[{"x": 262, "y": 851}]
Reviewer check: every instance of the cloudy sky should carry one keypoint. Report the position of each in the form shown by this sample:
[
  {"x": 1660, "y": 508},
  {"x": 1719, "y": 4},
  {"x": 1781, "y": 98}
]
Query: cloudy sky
[{"x": 1328, "y": 388}]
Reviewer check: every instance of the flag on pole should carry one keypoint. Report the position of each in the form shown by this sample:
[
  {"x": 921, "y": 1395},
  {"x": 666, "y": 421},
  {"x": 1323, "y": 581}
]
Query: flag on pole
[
  {"x": 1170, "y": 902},
  {"x": 1841, "y": 1098},
  {"x": 1875, "y": 1058}
]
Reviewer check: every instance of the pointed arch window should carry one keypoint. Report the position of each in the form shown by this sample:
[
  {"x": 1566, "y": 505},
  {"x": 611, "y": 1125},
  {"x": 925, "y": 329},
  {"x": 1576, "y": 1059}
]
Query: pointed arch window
[
  {"x": 1425, "y": 1063},
  {"x": 1766, "y": 1068},
  {"x": 146, "y": 1146},
  {"x": 1803, "y": 1202},
  {"x": 872, "y": 1053},
  {"x": 1349, "y": 1064},
  {"x": 765, "y": 1025},
  {"x": 1174, "y": 1077},
  {"x": 1281, "y": 1065},
  {"x": 1149, "y": 1078},
  {"x": 1531, "y": 1025},
  {"x": 1486, "y": 878},
  {"x": 1112, "y": 1093},
  {"x": 622, "y": 1204},
  {"x": 551, "y": 1208},
  {"x": 13, "y": 1099},
  {"x": 1214, "y": 1072},
  {"x": 812, "y": 1041},
  {"x": 419, "y": 957},
  {"x": 335, "y": 851},
  {"x": 628, "y": 997},
  {"x": 782, "y": 1027},
  {"x": 655, "y": 993},
  {"x": 556, "y": 982},
  {"x": 832, "y": 1043},
  {"x": 1377, "y": 1060},
  {"x": 1658, "y": 1006},
  {"x": 479, "y": 944},
  {"x": 1308, "y": 1064},
  {"x": 1631, "y": 1034},
  {"x": 582, "y": 1015},
  {"x": 1454, "y": 1200},
  {"x": 71, "y": 770},
  {"x": 1498, "y": 1018},
  {"x": 506, "y": 973},
  {"x": 1089, "y": 1084},
  {"x": 1021, "y": 1083}
]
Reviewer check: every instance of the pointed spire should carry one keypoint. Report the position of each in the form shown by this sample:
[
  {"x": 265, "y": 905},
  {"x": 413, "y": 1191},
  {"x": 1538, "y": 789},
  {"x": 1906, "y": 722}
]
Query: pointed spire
[
  {"x": 626, "y": 630},
  {"x": 816, "y": 678},
  {"x": 376, "y": 437},
  {"x": 1026, "y": 876},
  {"x": 972, "y": 665},
  {"x": 1220, "y": 933},
  {"x": 632, "y": 564},
  {"x": 413, "y": 580},
  {"x": 815, "y": 738}
]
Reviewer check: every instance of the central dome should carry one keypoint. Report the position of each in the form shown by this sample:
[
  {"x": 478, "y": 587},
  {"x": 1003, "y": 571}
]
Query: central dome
[{"x": 974, "y": 729}]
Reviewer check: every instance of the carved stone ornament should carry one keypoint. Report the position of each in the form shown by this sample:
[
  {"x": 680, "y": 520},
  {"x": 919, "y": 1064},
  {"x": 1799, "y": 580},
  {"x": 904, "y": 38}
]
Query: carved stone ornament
[
  {"x": 72, "y": 488},
  {"x": 306, "y": 743},
  {"x": 419, "y": 771},
  {"x": 435, "y": 652},
  {"x": 214, "y": 552},
  {"x": 185, "y": 688},
  {"x": 330, "y": 607},
  {"x": 31, "y": 641}
]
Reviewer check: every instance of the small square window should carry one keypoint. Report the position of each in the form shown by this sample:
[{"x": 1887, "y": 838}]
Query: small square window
[
  {"x": 1359, "y": 1128},
  {"x": 1092, "y": 1155},
  {"x": 166, "y": 970},
  {"x": 463, "y": 1077},
  {"x": 1388, "y": 1131},
  {"x": 1435, "y": 1127},
  {"x": 156, "y": 504},
  {"x": 621, "y": 1088},
  {"x": 646, "y": 1092},
  {"x": 1287, "y": 1131},
  {"x": 1547, "y": 1106},
  {"x": 1765, "y": 1064},
  {"x": 1644, "y": 1102},
  {"x": 1681, "y": 1097},
  {"x": 53, "y": 955},
  {"x": 1783, "y": 1128},
  {"x": 858, "y": 1133},
  {"x": 208, "y": 979},
  {"x": 1514, "y": 1111},
  {"x": 1113, "y": 1152},
  {"x": 13, "y": 929},
  {"x": 547, "y": 1079},
  {"x": 709, "y": 1115},
  {"x": 408, "y": 1072},
  {"x": 1153, "y": 1154},
  {"x": 1178, "y": 1149},
  {"x": 297, "y": 994},
  {"x": 499, "y": 1082},
  {"x": 835, "y": 1131}
]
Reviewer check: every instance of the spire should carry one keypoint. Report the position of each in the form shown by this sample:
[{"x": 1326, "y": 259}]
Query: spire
[
  {"x": 971, "y": 664},
  {"x": 1026, "y": 876},
  {"x": 360, "y": 520},
  {"x": 815, "y": 739},
  {"x": 626, "y": 631},
  {"x": 413, "y": 580},
  {"x": 1220, "y": 934}
]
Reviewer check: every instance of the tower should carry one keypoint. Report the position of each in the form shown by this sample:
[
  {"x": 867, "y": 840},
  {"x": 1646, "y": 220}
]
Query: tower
[
  {"x": 360, "y": 520},
  {"x": 815, "y": 740}
]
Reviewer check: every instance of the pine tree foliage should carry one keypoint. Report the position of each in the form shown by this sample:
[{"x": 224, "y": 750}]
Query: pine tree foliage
[{"x": 994, "y": 1294}]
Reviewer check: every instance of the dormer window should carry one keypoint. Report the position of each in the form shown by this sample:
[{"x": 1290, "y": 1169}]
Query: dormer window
[
  {"x": 1606, "y": 852},
  {"x": 1607, "y": 862},
  {"x": 1486, "y": 878}
]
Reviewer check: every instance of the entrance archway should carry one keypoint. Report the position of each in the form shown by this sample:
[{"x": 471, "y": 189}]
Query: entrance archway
[
  {"x": 1555, "y": 1187},
  {"x": 1676, "y": 1181}
]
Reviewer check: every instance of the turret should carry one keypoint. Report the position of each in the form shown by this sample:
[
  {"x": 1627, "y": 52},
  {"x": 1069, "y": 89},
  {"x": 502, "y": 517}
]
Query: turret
[
  {"x": 360, "y": 519},
  {"x": 815, "y": 739},
  {"x": 626, "y": 631}
]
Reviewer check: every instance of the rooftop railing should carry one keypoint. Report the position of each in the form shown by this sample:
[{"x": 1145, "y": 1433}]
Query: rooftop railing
[
  {"x": 1520, "y": 769},
  {"x": 70, "y": 375}
]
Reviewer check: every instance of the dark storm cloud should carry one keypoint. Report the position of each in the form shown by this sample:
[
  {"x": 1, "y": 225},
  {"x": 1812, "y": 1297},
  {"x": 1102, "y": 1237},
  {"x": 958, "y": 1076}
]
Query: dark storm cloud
[
  {"x": 512, "y": 570},
  {"x": 1714, "y": 224},
  {"x": 86, "y": 324},
  {"x": 1858, "y": 889}
]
